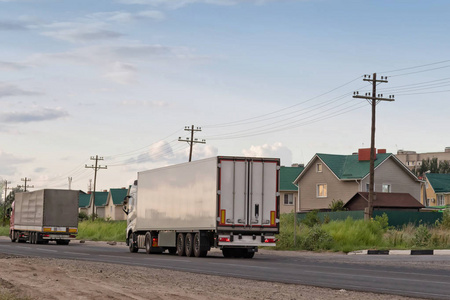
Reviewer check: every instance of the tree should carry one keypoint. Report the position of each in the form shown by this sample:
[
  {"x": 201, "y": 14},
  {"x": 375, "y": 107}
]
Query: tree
[{"x": 444, "y": 167}]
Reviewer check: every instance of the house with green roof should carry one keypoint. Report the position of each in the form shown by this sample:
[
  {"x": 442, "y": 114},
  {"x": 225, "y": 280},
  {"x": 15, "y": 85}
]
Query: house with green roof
[
  {"x": 84, "y": 201},
  {"x": 114, "y": 204},
  {"x": 437, "y": 189},
  {"x": 329, "y": 177},
  {"x": 288, "y": 190}
]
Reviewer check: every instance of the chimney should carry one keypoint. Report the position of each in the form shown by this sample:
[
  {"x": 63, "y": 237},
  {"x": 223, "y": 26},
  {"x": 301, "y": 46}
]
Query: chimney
[
  {"x": 381, "y": 151},
  {"x": 364, "y": 154}
]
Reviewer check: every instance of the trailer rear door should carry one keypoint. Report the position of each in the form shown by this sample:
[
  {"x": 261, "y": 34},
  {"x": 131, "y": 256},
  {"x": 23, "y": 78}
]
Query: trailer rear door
[{"x": 248, "y": 194}]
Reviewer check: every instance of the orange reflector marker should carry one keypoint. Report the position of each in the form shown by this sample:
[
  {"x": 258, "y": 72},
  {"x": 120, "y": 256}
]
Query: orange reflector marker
[
  {"x": 222, "y": 216},
  {"x": 73, "y": 230},
  {"x": 272, "y": 218},
  {"x": 47, "y": 229}
]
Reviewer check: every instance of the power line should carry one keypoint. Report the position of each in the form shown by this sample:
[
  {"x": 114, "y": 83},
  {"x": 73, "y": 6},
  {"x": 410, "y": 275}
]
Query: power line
[{"x": 280, "y": 110}]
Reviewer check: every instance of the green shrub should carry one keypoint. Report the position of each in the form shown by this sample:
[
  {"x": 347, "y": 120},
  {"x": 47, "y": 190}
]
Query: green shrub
[
  {"x": 311, "y": 219},
  {"x": 316, "y": 239},
  {"x": 445, "y": 223},
  {"x": 82, "y": 216},
  {"x": 337, "y": 205},
  {"x": 422, "y": 236}
]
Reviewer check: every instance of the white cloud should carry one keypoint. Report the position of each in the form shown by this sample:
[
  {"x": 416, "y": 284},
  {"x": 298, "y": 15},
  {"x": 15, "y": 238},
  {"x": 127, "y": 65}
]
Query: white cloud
[
  {"x": 122, "y": 73},
  {"x": 181, "y": 3},
  {"x": 122, "y": 16},
  {"x": 7, "y": 90},
  {"x": 43, "y": 114},
  {"x": 9, "y": 163},
  {"x": 12, "y": 66},
  {"x": 118, "y": 63},
  {"x": 276, "y": 150},
  {"x": 82, "y": 35},
  {"x": 154, "y": 104}
]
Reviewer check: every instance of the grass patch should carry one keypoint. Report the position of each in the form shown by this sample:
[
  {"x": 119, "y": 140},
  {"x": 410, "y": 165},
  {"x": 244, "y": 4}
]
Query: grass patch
[
  {"x": 4, "y": 230},
  {"x": 350, "y": 235},
  {"x": 100, "y": 230}
]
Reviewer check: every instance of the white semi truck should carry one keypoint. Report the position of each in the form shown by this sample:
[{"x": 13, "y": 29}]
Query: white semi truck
[
  {"x": 231, "y": 203},
  {"x": 43, "y": 216}
]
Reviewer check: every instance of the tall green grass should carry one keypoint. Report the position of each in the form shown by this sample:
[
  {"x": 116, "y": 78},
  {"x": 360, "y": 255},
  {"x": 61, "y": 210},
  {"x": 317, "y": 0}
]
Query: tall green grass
[
  {"x": 100, "y": 230},
  {"x": 4, "y": 230},
  {"x": 350, "y": 235}
]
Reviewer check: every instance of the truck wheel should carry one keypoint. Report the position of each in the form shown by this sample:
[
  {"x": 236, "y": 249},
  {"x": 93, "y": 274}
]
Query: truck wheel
[
  {"x": 133, "y": 240},
  {"x": 198, "y": 252},
  {"x": 227, "y": 252},
  {"x": 249, "y": 254},
  {"x": 31, "y": 237},
  {"x": 148, "y": 243},
  {"x": 180, "y": 245},
  {"x": 189, "y": 244},
  {"x": 12, "y": 235}
]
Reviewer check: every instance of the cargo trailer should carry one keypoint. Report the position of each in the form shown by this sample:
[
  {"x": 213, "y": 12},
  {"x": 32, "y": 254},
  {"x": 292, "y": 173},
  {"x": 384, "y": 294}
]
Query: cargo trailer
[
  {"x": 44, "y": 215},
  {"x": 230, "y": 203}
]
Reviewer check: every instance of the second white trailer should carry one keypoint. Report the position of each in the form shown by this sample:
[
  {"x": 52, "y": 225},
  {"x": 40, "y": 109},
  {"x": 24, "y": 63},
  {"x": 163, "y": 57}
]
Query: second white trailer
[{"x": 226, "y": 202}]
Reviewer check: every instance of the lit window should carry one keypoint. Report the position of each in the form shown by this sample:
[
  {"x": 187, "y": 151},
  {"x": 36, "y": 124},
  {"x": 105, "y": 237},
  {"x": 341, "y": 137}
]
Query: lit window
[
  {"x": 288, "y": 199},
  {"x": 321, "y": 190},
  {"x": 319, "y": 168},
  {"x": 386, "y": 188}
]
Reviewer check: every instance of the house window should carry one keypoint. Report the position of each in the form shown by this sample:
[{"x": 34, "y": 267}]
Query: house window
[
  {"x": 321, "y": 190},
  {"x": 288, "y": 199},
  {"x": 386, "y": 188},
  {"x": 440, "y": 200},
  {"x": 319, "y": 168},
  {"x": 367, "y": 187}
]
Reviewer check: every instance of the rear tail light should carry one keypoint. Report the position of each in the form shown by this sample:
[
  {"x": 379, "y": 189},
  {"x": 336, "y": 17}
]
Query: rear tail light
[
  {"x": 270, "y": 240},
  {"x": 155, "y": 242},
  {"x": 72, "y": 236},
  {"x": 46, "y": 235},
  {"x": 224, "y": 239}
]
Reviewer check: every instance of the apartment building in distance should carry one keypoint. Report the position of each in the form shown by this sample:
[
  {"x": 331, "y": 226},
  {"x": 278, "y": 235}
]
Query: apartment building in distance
[{"x": 413, "y": 160}]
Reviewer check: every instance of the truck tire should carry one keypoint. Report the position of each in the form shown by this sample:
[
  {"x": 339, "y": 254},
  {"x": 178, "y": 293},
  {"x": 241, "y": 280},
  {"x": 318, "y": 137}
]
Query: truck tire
[
  {"x": 198, "y": 244},
  {"x": 180, "y": 245},
  {"x": 189, "y": 244},
  {"x": 148, "y": 243},
  {"x": 227, "y": 252},
  {"x": 249, "y": 254},
  {"x": 13, "y": 236},
  {"x": 132, "y": 243}
]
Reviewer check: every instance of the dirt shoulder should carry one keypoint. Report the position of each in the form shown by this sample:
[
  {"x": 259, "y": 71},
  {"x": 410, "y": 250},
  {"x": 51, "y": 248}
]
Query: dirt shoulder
[{"x": 38, "y": 278}]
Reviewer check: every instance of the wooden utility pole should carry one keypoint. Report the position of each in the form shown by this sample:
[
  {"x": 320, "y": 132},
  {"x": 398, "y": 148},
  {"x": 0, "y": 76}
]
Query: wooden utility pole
[
  {"x": 6, "y": 182},
  {"x": 96, "y": 167},
  {"x": 191, "y": 140},
  {"x": 373, "y": 99},
  {"x": 25, "y": 184}
]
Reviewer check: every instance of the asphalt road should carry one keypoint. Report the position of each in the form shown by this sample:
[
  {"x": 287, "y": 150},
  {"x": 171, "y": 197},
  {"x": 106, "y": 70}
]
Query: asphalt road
[{"x": 423, "y": 276}]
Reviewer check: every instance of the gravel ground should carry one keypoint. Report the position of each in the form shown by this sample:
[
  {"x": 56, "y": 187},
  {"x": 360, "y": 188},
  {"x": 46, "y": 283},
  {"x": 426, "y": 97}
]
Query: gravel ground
[{"x": 38, "y": 278}]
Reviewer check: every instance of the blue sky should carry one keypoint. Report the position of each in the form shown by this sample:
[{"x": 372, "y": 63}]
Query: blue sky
[{"x": 120, "y": 79}]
